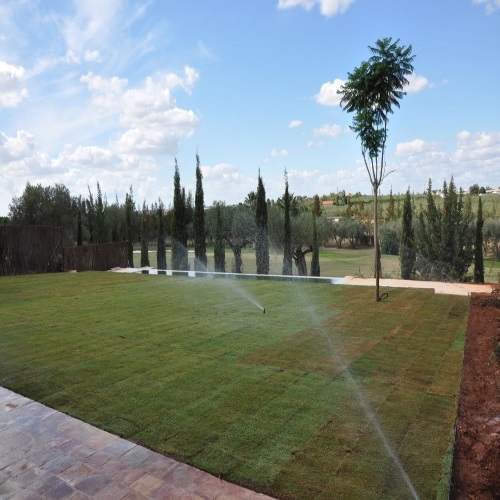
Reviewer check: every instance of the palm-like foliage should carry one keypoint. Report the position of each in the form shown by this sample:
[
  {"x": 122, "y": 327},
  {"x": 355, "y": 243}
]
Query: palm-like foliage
[{"x": 371, "y": 92}]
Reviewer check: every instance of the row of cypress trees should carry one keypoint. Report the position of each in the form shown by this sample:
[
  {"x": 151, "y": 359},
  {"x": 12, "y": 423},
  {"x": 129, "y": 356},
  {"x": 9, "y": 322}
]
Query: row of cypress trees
[{"x": 441, "y": 243}]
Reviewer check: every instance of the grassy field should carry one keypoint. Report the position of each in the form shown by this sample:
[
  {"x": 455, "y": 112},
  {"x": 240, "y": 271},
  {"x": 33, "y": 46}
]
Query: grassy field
[
  {"x": 287, "y": 402},
  {"x": 334, "y": 262}
]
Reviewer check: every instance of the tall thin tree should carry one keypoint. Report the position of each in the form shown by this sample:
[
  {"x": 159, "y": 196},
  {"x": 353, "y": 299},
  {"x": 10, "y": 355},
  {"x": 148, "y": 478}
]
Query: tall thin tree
[
  {"x": 161, "y": 251},
  {"x": 407, "y": 244},
  {"x": 316, "y": 212},
  {"x": 219, "y": 250},
  {"x": 179, "y": 230},
  {"x": 370, "y": 92},
  {"x": 478, "y": 249},
  {"x": 129, "y": 208},
  {"x": 287, "y": 244},
  {"x": 200, "y": 246},
  {"x": 261, "y": 241},
  {"x": 144, "y": 237}
]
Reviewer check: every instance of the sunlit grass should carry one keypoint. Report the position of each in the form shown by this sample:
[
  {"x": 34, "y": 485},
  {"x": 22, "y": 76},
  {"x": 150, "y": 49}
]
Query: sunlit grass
[
  {"x": 334, "y": 262},
  {"x": 193, "y": 369}
]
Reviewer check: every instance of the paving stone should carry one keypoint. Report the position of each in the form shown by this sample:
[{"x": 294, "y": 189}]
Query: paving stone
[
  {"x": 82, "y": 451},
  {"x": 99, "y": 439},
  {"x": 113, "y": 491},
  {"x": 19, "y": 467},
  {"x": 68, "y": 446},
  {"x": 171, "y": 492},
  {"x": 133, "y": 495},
  {"x": 78, "y": 495},
  {"x": 16, "y": 441},
  {"x": 136, "y": 456},
  {"x": 43, "y": 455},
  {"x": 146, "y": 484},
  {"x": 25, "y": 495},
  {"x": 158, "y": 465},
  {"x": 118, "y": 447},
  {"x": 206, "y": 485},
  {"x": 97, "y": 459},
  {"x": 128, "y": 476},
  {"x": 182, "y": 475},
  {"x": 82, "y": 431},
  {"x": 30, "y": 476},
  {"x": 93, "y": 483},
  {"x": 58, "y": 464},
  {"x": 61, "y": 490},
  {"x": 9, "y": 487},
  {"x": 112, "y": 467},
  {"x": 49, "y": 455},
  {"x": 45, "y": 483},
  {"x": 76, "y": 473}
]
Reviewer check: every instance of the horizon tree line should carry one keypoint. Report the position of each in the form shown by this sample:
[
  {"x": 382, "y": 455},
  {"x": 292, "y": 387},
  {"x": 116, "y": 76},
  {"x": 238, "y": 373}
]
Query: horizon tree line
[{"x": 292, "y": 227}]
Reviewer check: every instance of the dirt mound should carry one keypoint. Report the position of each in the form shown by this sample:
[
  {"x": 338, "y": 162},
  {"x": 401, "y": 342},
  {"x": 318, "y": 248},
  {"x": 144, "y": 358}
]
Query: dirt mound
[{"x": 476, "y": 461}]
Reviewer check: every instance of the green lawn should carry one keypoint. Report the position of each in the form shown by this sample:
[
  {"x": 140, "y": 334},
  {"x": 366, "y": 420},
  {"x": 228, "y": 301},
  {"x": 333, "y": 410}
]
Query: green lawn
[
  {"x": 334, "y": 262},
  {"x": 192, "y": 368}
]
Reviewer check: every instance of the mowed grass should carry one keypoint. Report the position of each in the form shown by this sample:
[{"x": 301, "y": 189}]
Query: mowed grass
[
  {"x": 334, "y": 262},
  {"x": 285, "y": 402}
]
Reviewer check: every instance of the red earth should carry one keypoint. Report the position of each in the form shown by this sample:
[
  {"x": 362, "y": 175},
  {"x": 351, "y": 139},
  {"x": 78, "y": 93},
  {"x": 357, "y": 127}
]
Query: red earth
[{"x": 476, "y": 462}]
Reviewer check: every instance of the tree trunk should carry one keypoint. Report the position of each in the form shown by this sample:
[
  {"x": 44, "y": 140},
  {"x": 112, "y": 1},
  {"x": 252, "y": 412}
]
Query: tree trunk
[
  {"x": 300, "y": 261},
  {"x": 376, "y": 242},
  {"x": 237, "y": 259}
]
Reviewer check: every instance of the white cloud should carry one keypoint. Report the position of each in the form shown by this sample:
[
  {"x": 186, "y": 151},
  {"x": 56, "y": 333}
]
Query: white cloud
[
  {"x": 414, "y": 147},
  {"x": 92, "y": 56},
  {"x": 225, "y": 182},
  {"x": 328, "y": 95},
  {"x": 417, "y": 83},
  {"x": 327, "y": 8},
  {"x": 92, "y": 22},
  {"x": 149, "y": 113},
  {"x": 478, "y": 147},
  {"x": 191, "y": 76},
  {"x": 12, "y": 91},
  {"x": 328, "y": 130},
  {"x": 294, "y": 123},
  {"x": 279, "y": 152},
  {"x": 106, "y": 92},
  {"x": 490, "y": 5},
  {"x": 16, "y": 148}
]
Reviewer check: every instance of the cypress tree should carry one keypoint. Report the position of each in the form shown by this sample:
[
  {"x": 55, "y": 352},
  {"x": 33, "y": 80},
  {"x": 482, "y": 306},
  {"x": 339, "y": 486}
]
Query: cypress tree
[
  {"x": 200, "y": 248},
  {"x": 391, "y": 213},
  {"x": 179, "y": 230},
  {"x": 219, "y": 250},
  {"x": 478, "y": 250},
  {"x": 129, "y": 207},
  {"x": 407, "y": 246},
  {"x": 316, "y": 212},
  {"x": 261, "y": 241},
  {"x": 144, "y": 238},
  {"x": 79, "y": 236},
  {"x": 287, "y": 250},
  {"x": 161, "y": 251},
  {"x": 100, "y": 228}
]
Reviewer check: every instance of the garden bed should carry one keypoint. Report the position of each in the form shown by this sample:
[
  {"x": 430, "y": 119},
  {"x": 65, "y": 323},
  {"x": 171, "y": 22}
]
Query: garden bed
[{"x": 477, "y": 445}]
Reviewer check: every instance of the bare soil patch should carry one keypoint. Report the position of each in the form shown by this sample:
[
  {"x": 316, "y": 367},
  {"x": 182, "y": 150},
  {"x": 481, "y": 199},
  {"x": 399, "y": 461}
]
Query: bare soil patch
[{"x": 477, "y": 447}]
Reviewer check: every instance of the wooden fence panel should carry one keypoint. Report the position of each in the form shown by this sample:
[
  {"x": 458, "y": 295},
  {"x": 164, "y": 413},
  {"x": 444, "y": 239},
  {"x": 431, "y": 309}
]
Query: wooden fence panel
[
  {"x": 30, "y": 249},
  {"x": 100, "y": 257}
]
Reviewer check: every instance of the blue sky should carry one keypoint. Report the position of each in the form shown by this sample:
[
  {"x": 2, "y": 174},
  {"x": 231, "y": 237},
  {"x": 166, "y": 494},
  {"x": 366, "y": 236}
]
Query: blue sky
[{"x": 114, "y": 90}]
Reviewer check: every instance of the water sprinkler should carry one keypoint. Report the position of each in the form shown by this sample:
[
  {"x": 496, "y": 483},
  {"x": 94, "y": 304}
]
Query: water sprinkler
[{"x": 263, "y": 310}]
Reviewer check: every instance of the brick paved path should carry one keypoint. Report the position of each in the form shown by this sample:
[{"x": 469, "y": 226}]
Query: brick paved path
[{"x": 46, "y": 454}]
